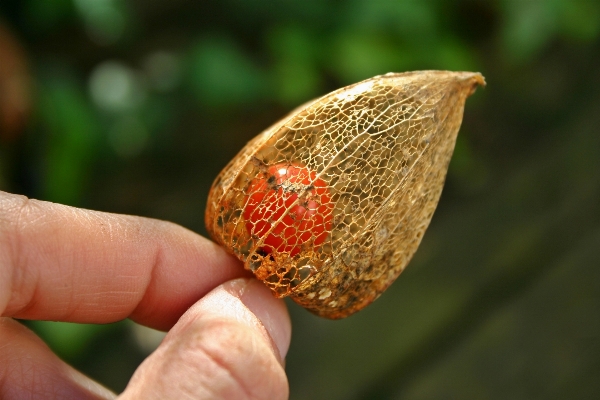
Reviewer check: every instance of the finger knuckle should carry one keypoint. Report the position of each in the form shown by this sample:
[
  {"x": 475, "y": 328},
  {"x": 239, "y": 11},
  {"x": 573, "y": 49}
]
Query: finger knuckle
[
  {"x": 243, "y": 358},
  {"x": 14, "y": 212}
]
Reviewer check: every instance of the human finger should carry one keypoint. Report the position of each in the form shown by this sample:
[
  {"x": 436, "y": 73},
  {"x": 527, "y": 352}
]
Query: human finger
[
  {"x": 229, "y": 345},
  {"x": 68, "y": 264},
  {"x": 29, "y": 369}
]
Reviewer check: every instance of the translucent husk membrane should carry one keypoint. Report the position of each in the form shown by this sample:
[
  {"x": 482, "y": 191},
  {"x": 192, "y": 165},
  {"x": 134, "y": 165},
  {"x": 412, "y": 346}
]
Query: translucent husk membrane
[{"x": 382, "y": 146}]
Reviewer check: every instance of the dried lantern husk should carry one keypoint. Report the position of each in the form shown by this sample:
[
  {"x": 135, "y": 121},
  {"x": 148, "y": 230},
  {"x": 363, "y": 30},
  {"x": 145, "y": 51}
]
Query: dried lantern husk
[{"x": 382, "y": 146}]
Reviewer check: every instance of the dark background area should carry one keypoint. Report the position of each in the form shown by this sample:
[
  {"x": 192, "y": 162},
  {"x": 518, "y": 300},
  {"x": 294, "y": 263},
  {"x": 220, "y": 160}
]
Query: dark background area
[{"x": 135, "y": 106}]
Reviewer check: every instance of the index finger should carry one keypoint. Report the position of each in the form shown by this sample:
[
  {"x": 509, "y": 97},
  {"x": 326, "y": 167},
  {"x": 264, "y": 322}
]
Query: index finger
[{"x": 67, "y": 264}]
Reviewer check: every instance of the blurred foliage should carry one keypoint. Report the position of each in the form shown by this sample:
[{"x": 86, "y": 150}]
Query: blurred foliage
[
  {"x": 68, "y": 340},
  {"x": 136, "y": 106}
]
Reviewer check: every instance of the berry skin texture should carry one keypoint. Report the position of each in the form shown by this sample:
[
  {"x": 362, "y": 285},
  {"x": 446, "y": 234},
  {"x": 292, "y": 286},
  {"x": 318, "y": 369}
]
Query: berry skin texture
[{"x": 290, "y": 206}]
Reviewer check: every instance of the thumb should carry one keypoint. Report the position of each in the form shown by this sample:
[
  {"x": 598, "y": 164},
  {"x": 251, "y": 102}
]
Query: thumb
[{"x": 229, "y": 345}]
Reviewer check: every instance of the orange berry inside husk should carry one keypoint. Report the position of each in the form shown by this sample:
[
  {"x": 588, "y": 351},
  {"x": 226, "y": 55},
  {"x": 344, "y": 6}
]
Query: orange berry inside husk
[{"x": 290, "y": 206}]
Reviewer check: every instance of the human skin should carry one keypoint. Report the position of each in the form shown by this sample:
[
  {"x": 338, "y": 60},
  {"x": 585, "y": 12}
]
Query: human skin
[{"x": 228, "y": 336}]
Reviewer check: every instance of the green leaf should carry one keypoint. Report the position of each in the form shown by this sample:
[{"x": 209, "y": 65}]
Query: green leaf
[
  {"x": 68, "y": 340},
  {"x": 295, "y": 76},
  {"x": 220, "y": 74},
  {"x": 68, "y": 117}
]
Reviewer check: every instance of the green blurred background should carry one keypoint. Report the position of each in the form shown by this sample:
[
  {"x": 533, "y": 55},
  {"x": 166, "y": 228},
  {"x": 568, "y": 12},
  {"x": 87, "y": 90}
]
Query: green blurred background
[{"x": 135, "y": 106}]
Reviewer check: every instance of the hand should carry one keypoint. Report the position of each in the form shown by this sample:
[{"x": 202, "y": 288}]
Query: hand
[{"x": 67, "y": 264}]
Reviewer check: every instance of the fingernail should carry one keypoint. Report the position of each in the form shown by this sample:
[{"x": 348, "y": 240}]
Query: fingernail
[{"x": 271, "y": 312}]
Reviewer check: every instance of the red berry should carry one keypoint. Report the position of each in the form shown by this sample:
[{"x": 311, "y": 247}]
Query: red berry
[{"x": 295, "y": 193}]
